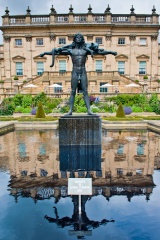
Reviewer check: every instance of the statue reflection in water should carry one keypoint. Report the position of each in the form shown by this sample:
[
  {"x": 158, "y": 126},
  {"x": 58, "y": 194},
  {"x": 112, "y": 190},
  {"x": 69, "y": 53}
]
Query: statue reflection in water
[{"x": 79, "y": 224}]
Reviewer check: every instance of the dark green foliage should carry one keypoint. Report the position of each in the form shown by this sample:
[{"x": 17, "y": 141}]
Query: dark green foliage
[
  {"x": 42, "y": 97},
  {"x": 120, "y": 111},
  {"x": 79, "y": 101},
  {"x": 6, "y": 110},
  {"x": 18, "y": 99},
  {"x": 129, "y": 99},
  {"x": 15, "y": 78},
  {"x": 27, "y": 100},
  {"x": 51, "y": 104},
  {"x": 40, "y": 111},
  {"x": 155, "y": 103},
  {"x": 64, "y": 109}
]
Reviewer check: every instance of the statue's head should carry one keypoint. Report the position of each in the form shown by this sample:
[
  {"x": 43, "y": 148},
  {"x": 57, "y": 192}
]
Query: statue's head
[{"x": 78, "y": 38}]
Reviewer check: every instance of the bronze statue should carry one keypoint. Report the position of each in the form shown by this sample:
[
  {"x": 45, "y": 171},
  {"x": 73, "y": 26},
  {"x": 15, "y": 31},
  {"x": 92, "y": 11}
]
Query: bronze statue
[{"x": 78, "y": 50}]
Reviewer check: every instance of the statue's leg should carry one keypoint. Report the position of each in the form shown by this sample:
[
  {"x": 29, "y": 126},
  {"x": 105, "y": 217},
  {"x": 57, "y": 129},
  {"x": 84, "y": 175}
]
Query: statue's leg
[
  {"x": 84, "y": 86},
  {"x": 74, "y": 83}
]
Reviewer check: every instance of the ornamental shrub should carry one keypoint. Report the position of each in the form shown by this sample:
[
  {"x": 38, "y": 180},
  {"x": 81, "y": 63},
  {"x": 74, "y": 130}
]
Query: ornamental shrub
[
  {"x": 33, "y": 111},
  {"x": 40, "y": 111},
  {"x": 127, "y": 110},
  {"x": 41, "y": 97},
  {"x": 145, "y": 77},
  {"x": 92, "y": 99},
  {"x": 6, "y": 110},
  {"x": 27, "y": 100},
  {"x": 120, "y": 111},
  {"x": 18, "y": 99}
]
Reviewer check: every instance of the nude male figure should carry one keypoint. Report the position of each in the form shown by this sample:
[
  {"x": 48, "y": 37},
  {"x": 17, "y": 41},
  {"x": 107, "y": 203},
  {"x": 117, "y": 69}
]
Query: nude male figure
[{"x": 78, "y": 51}]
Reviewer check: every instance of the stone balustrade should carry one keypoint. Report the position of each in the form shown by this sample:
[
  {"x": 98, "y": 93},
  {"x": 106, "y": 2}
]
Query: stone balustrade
[{"x": 81, "y": 18}]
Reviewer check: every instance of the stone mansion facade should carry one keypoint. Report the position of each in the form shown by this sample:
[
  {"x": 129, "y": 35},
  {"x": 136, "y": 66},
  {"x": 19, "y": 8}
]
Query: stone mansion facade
[{"x": 133, "y": 36}]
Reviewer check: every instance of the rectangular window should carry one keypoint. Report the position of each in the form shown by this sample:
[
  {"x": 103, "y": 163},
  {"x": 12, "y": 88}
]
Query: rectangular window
[
  {"x": 58, "y": 89},
  {"x": 142, "y": 67},
  {"x": 140, "y": 149},
  {"x": 22, "y": 149},
  {"x": 18, "y": 42},
  {"x": 121, "y": 41},
  {"x": 19, "y": 69},
  {"x": 120, "y": 171},
  {"x": 120, "y": 149},
  {"x": 62, "y": 41},
  {"x": 121, "y": 67},
  {"x": 98, "y": 65},
  {"x": 143, "y": 41},
  {"x": 62, "y": 66},
  {"x": 42, "y": 150},
  {"x": 99, "y": 40},
  {"x": 39, "y": 41},
  {"x": 103, "y": 89},
  {"x": 40, "y": 68}
]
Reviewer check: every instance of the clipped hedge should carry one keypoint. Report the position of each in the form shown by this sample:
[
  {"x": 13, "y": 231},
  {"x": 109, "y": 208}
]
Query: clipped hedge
[
  {"x": 40, "y": 111},
  {"x": 120, "y": 111}
]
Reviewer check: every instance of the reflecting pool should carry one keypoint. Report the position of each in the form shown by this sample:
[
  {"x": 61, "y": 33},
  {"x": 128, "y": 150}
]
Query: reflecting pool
[{"x": 34, "y": 203}]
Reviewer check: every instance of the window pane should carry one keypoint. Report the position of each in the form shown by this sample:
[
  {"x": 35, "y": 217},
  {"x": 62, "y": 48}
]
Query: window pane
[
  {"x": 120, "y": 149},
  {"x": 143, "y": 41},
  {"x": 22, "y": 149},
  {"x": 121, "y": 67},
  {"x": 62, "y": 41},
  {"x": 18, "y": 42},
  {"x": 120, "y": 171},
  {"x": 62, "y": 65},
  {"x": 99, "y": 65},
  {"x": 103, "y": 89},
  {"x": 140, "y": 149},
  {"x": 40, "y": 68},
  {"x": 99, "y": 40},
  {"x": 39, "y": 41},
  {"x": 19, "y": 69},
  {"x": 58, "y": 89},
  {"x": 42, "y": 150},
  {"x": 121, "y": 41},
  {"x": 142, "y": 67}
]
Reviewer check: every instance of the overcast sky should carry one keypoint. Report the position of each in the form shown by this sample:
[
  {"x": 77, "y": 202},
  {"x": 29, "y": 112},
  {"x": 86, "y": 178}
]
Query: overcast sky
[{"x": 80, "y": 6}]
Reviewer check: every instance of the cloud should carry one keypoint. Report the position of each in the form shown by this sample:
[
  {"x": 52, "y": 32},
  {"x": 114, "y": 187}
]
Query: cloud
[{"x": 18, "y": 7}]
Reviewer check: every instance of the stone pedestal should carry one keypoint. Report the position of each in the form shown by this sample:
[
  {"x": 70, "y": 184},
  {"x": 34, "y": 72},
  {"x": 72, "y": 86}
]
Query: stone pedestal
[{"x": 80, "y": 143}]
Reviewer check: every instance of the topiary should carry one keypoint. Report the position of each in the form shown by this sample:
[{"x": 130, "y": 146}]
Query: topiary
[
  {"x": 40, "y": 111},
  {"x": 120, "y": 111}
]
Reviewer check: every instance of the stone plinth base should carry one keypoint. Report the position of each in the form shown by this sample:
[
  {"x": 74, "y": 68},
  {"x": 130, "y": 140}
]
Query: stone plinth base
[{"x": 80, "y": 143}]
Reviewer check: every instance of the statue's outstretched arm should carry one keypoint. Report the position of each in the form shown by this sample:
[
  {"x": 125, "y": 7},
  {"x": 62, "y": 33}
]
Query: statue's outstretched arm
[
  {"x": 104, "y": 52},
  {"x": 56, "y": 51}
]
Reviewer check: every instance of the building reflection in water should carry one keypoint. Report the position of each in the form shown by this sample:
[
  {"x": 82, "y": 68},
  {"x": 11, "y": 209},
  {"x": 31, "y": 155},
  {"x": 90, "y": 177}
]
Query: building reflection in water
[
  {"x": 33, "y": 154},
  {"x": 32, "y": 157}
]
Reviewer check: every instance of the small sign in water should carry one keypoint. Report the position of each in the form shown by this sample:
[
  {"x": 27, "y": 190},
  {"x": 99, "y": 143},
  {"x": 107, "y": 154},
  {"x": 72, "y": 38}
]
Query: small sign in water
[
  {"x": 80, "y": 186},
  {"x": 80, "y": 233}
]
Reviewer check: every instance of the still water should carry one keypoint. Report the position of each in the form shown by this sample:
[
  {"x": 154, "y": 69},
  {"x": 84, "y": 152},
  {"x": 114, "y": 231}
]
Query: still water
[{"x": 125, "y": 201}]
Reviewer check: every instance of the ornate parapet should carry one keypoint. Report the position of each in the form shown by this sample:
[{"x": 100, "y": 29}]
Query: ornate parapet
[
  {"x": 140, "y": 158},
  {"x": 120, "y": 157},
  {"x": 28, "y": 38},
  {"x": 7, "y": 39}
]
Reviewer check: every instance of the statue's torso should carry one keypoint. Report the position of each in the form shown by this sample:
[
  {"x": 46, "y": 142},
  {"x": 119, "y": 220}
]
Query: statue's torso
[{"x": 78, "y": 58}]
